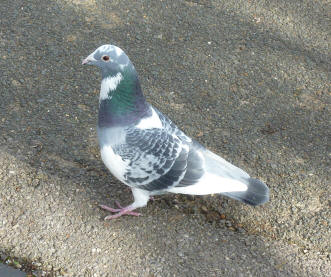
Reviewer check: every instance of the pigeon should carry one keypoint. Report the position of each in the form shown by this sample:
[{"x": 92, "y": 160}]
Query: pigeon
[{"x": 146, "y": 151}]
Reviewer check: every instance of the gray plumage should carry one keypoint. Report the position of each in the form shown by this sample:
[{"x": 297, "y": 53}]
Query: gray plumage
[{"x": 146, "y": 151}]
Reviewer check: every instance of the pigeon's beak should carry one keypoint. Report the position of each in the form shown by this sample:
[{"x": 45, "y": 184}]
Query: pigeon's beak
[
  {"x": 85, "y": 61},
  {"x": 88, "y": 60}
]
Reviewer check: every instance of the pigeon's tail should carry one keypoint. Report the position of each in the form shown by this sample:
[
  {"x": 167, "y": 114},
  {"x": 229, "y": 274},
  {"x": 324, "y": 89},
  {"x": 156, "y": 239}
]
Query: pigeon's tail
[
  {"x": 216, "y": 175},
  {"x": 254, "y": 192},
  {"x": 257, "y": 193}
]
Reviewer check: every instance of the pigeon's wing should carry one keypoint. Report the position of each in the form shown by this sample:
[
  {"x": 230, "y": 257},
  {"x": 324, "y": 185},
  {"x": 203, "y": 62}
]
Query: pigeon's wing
[
  {"x": 157, "y": 158},
  {"x": 208, "y": 173},
  {"x": 165, "y": 159}
]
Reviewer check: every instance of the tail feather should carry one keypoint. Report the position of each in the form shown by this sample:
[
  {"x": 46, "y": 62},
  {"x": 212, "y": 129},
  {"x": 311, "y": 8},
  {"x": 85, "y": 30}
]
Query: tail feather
[
  {"x": 208, "y": 173},
  {"x": 257, "y": 193}
]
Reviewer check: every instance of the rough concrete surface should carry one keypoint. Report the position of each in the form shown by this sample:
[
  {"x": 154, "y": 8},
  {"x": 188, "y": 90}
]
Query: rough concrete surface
[{"x": 248, "y": 79}]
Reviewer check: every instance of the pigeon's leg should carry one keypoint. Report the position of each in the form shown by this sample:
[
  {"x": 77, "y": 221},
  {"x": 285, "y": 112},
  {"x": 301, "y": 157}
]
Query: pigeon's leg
[{"x": 141, "y": 198}]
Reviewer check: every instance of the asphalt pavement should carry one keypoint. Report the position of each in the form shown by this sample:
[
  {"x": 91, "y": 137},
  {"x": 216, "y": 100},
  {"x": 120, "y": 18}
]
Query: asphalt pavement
[{"x": 248, "y": 79}]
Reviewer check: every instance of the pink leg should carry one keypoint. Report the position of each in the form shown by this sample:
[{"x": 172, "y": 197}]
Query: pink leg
[{"x": 121, "y": 211}]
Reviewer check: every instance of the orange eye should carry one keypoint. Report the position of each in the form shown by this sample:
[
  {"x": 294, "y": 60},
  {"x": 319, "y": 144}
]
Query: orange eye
[{"x": 105, "y": 58}]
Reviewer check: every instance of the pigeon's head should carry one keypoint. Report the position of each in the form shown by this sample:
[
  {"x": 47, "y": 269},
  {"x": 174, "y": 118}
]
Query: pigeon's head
[{"x": 110, "y": 58}]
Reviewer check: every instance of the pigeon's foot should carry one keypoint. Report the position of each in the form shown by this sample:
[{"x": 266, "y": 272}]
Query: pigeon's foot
[{"x": 121, "y": 211}]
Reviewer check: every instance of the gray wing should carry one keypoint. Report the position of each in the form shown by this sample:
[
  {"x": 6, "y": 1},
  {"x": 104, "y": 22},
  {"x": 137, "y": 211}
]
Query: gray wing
[
  {"x": 151, "y": 154},
  {"x": 160, "y": 158},
  {"x": 167, "y": 160},
  {"x": 194, "y": 165}
]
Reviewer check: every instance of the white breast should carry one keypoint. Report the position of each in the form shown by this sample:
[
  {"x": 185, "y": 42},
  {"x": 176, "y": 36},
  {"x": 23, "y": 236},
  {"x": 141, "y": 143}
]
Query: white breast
[{"x": 116, "y": 165}]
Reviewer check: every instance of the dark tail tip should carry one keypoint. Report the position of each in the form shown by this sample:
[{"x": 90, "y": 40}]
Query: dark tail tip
[{"x": 256, "y": 194}]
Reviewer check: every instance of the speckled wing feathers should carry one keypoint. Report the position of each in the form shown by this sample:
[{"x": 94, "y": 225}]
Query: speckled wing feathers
[
  {"x": 152, "y": 153},
  {"x": 160, "y": 158}
]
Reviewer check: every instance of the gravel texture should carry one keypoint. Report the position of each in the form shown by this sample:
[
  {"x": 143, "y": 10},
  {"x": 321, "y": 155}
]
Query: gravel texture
[{"x": 248, "y": 79}]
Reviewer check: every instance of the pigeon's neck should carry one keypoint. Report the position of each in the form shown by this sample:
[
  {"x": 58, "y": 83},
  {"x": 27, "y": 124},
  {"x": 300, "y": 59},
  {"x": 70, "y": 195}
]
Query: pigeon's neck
[{"x": 121, "y": 99}]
